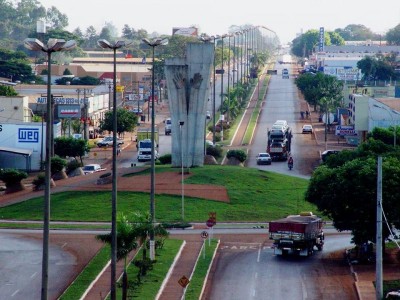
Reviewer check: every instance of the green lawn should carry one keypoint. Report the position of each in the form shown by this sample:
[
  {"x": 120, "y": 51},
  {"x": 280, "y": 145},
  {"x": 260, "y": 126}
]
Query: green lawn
[{"x": 255, "y": 195}]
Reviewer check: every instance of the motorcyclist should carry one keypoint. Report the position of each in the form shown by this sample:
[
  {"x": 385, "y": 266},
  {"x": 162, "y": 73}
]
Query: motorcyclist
[{"x": 290, "y": 162}]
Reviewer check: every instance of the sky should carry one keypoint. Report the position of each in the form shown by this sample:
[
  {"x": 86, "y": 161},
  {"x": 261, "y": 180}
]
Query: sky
[{"x": 286, "y": 19}]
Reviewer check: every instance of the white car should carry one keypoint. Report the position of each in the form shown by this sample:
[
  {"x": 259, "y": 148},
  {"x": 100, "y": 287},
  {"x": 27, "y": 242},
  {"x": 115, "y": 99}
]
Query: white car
[
  {"x": 264, "y": 159},
  {"x": 92, "y": 168},
  {"x": 307, "y": 128},
  {"x": 108, "y": 141}
]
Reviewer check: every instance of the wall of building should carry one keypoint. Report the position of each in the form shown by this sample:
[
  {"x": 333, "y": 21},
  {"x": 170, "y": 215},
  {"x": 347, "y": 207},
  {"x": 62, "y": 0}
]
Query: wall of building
[
  {"x": 30, "y": 136},
  {"x": 14, "y": 109}
]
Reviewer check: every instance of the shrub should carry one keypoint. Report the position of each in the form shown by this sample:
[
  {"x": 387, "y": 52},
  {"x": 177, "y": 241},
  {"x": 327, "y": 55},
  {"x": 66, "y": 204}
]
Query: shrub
[
  {"x": 165, "y": 159},
  {"x": 238, "y": 154},
  {"x": 57, "y": 164},
  {"x": 39, "y": 181},
  {"x": 12, "y": 176},
  {"x": 73, "y": 165},
  {"x": 215, "y": 151}
]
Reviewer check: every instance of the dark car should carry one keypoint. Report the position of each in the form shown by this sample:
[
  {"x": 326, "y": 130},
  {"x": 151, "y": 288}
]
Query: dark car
[{"x": 327, "y": 153}]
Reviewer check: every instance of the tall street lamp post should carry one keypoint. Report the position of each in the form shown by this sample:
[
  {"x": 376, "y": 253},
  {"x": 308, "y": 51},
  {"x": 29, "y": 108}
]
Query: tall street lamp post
[
  {"x": 181, "y": 123},
  {"x": 53, "y": 45},
  {"x": 107, "y": 45},
  {"x": 222, "y": 77},
  {"x": 229, "y": 75},
  {"x": 153, "y": 44},
  {"x": 215, "y": 44}
]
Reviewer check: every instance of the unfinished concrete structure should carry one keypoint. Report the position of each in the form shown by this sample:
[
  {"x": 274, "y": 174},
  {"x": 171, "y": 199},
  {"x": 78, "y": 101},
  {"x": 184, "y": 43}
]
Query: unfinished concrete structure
[{"x": 188, "y": 81}]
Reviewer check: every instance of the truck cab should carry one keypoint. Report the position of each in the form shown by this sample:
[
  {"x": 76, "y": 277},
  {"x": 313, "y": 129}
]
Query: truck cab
[
  {"x": 285, "y": 73},
  {"x": 144, "y": 150}
]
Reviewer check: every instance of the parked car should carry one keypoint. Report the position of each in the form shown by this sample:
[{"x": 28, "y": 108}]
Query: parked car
[
  {"x": 264, "y": 159},
  {"x": 307, "y": 128},
  {"x": 108, "y": 141},
  {"x": 327, "y": 153},
  {"x": 92, "y": 168},
  {"x": 137, "y": 111}
]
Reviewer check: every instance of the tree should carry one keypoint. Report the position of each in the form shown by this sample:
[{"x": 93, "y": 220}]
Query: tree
[
  {"x": 374, "y": 68},
  {"x": 55, "y": 19},
  {"x": 356, "y": 32},
  {"x": 393, "y": 36},
  {"x": 347, "y": 195},
  {"x": 344, "y": 189},
  {"x": 68, "y": 146},
  {"x": 7, "y": 91},
  {"x": 319, "y": 86},
  {"x": 126, "y": 121},
  {"x": 126, "y": 242}
]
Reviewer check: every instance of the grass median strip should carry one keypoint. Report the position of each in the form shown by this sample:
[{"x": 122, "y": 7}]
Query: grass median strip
[
  {"x": 86, "y": 277},
  {"x": 195, "y": 286}
]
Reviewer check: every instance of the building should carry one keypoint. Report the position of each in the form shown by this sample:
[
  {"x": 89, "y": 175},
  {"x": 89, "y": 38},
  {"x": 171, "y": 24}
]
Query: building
[{"x": 366, "y": 113}]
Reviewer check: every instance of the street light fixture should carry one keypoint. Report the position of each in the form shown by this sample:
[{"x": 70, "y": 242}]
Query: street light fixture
[
  {"x": 154, "y": 43},
  {"x": 53, "y": 45},
  {"x": 107, "y": 45}
]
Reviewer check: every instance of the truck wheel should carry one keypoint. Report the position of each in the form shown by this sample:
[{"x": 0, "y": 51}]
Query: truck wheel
[{"x": 319, "y": 247}]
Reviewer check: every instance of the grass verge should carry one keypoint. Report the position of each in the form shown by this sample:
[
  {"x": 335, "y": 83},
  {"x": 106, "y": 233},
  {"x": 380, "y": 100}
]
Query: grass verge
[
  {"x": 195, "y": 286},
  {"x": 151, "y": 283},
  {"x": 258, "y": 196},
  {"x": 85, "y": 278}
]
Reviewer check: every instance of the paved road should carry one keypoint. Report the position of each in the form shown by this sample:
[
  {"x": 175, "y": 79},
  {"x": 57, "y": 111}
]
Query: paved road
[
  {"x": 250, "y": 270},
  {"x": 21, "y": 261}
]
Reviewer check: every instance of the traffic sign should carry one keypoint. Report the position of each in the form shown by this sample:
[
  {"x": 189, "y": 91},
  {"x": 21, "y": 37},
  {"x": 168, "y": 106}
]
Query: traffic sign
[
  {"x": 210, "y": 223},
  {"x": 204, "y": 234},
  {"x": 183, "y": 281}
]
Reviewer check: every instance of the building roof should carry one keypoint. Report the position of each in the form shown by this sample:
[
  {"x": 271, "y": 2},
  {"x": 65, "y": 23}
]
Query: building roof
[
  {"x": 121, "y": 68},
  {"x": 110, "y": 60},
  {"x": 25, "y": 152},
  {"x": 393, "y": 103},
  {"x": 361, "y": 49}
]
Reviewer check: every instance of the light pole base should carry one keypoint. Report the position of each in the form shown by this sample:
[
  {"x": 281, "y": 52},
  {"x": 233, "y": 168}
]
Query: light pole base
[{"x": 152, "y": 250}]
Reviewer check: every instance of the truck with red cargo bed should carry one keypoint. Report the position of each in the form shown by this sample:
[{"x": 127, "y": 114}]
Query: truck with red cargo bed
[{"x": 297, "y": 234}]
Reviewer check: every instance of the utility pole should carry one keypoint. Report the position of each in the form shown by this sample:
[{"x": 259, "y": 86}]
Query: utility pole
[{"x": 379, "y": 270}]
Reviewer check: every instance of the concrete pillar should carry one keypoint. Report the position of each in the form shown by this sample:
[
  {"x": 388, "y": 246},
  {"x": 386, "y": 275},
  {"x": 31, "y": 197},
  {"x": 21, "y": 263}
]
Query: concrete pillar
[{"x": 188, "y": 89}]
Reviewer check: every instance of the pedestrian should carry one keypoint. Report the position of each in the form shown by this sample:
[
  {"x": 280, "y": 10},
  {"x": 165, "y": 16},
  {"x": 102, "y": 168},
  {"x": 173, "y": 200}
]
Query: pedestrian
[
  {"x": 307, "y": 114},
  {"x": 118, "y": 150}
]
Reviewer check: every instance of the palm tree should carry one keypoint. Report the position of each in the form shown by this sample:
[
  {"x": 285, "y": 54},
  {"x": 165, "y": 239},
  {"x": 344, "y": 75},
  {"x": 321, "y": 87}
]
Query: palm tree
[{"x": 126, "y": 242}]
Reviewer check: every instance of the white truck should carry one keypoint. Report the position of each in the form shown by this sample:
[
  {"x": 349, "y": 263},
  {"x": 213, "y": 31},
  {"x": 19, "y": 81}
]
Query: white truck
[{"x": 144, "y": 150}]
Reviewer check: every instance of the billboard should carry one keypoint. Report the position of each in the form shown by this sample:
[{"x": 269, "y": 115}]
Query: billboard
[{"x": 188, "y": 31}]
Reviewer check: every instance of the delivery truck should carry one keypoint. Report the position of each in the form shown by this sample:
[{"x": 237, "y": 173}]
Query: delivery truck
[{"x": 297, "y": 234}]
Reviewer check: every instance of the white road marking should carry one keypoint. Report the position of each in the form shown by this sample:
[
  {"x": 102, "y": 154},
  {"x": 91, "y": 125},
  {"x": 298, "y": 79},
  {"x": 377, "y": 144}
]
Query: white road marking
[
  {"x": 259, "y": 254},
  {"x": 256, "y": 275},
  {"x": 33, "y": 275},
  {"x": 65, "y": 244},
  {"x": 13, "y": 294}
]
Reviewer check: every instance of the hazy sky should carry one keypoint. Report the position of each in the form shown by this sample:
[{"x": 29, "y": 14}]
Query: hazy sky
[{"x": 286, "y": 18}]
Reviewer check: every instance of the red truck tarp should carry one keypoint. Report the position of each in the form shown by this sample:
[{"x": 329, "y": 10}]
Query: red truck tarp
[{"x": 297, "y": 224}]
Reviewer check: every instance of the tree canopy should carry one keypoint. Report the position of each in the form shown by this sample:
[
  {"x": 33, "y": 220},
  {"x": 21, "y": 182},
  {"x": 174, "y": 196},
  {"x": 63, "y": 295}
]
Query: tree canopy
[
  {"x": 344, "y": 189},
  {"x": 126, "y": 121},
  {"x": 317, "y": 87},
  {"x": 376, "y": 68}
]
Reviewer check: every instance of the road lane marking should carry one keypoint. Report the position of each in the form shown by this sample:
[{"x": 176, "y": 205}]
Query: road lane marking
[
  {"x": 13, "y": 294},
  {"x": 259, "y": 254},
  {"x": 65, "y": 244},
  {"x": 33, "y": 275}
]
